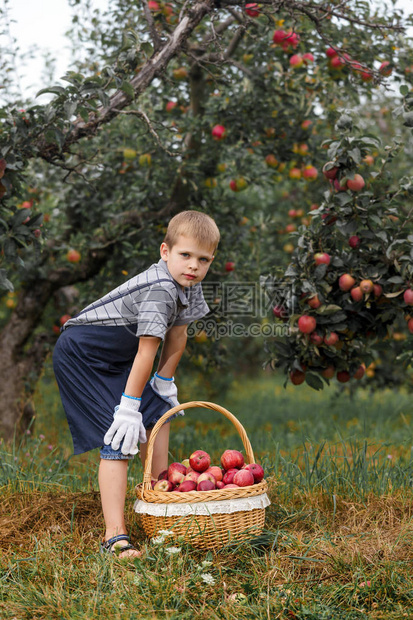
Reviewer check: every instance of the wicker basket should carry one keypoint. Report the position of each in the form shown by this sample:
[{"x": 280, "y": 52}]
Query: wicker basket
[{"x": 222, "y": 521}]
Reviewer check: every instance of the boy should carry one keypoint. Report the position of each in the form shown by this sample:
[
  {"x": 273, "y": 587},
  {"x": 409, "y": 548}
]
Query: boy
[{"x": 105, "y": 355}]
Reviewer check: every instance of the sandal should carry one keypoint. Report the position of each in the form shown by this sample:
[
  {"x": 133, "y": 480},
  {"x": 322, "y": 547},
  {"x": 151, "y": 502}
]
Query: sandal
[{"x": 106, "y": 545}]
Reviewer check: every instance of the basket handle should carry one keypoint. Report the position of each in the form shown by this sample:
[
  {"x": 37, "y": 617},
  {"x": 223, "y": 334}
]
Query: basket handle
[{"x": 147, "y": 476}]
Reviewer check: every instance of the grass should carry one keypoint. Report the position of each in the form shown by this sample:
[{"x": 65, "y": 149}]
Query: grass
[{"x": 338, "y": 538}]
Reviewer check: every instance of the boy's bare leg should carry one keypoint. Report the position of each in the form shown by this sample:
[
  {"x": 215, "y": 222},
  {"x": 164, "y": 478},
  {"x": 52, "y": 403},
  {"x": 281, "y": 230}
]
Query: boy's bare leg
[
  {"x": 160, "y": 450},
  {"x": 113, "y": 476}
]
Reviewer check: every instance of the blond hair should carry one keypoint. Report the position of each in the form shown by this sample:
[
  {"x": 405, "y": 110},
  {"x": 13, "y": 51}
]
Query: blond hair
[{"x": 195, "y": 224}]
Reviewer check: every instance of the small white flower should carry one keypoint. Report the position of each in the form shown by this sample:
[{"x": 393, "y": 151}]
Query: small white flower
[
  {"x": 173, "y": 550},
  {"x": 205, "y": 563},
  {"x": 137, "y": 579},
  {"x": 208, "y": 578},
  {"x": 165, "y": 532},
  {"x": 158, "y": 540}
]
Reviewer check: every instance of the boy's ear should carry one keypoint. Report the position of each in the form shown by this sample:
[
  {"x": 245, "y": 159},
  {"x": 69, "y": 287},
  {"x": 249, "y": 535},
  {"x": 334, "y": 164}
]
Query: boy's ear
[{"x": 164, "y": 250}]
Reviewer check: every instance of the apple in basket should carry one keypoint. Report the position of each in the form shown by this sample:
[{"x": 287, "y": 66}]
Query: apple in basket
[
  {"x": 163, "y": 475},
  {"x": 256, "y": 470},
  {"x": 163, "y": 485},
  {"x": 232, "y": 459},
  {"x": 231, "y": 486},
  {"x": 229, "y": 476},
  {"x": 205, "y": 485},
  {"x": 215, "y": 471},
  {"x": 199, "y": 460},
  {"x": 186, "y": 485},
  {"x": 206, "y": 476},
  {"x": 192, "y": 475},
  {"x": 220, "y": 484},
  {"x": 176, "y": 473},
  {"x": 243, "y": 478}
]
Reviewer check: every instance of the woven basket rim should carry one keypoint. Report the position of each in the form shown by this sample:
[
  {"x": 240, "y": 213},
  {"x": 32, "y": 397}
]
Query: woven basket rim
[{"x": 191, "y": 497}]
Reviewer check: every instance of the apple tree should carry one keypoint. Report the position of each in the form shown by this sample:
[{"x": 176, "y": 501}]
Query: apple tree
[{"x": 222, "y": 106}]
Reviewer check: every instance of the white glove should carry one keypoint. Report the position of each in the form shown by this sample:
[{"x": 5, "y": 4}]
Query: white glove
[
  {"x": 167, "y": 389},
  {"x": 127, "y": 425}
]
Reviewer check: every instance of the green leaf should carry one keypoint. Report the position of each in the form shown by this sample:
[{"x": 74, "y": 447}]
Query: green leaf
[
  {"x": 404, "y": 90},
  {"x": 128, "y": 89},
  {"x": 328, "y": 309},
  {"x": 314, "y": 381},
  {"x": 55, "y": 90}
]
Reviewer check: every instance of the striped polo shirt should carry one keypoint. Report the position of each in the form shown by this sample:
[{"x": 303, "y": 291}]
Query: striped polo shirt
[{"x": 149, "y": 303}]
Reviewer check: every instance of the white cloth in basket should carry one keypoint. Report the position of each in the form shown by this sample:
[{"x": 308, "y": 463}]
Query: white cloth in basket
[{"x": 199, "y": 508}]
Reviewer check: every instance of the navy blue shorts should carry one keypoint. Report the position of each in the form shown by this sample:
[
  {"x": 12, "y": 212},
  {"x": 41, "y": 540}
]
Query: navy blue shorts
[{"x": 92, "y": 364}]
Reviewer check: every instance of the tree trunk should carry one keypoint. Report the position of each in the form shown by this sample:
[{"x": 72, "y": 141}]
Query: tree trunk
[{"x": 21, "y": 360}]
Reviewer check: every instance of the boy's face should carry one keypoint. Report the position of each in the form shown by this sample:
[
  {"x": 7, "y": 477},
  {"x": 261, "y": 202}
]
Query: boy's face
[{"x": 187, "y": 261}]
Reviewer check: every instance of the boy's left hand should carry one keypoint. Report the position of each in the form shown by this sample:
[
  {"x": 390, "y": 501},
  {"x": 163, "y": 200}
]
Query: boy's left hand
[{"x": 167, "y": 389}]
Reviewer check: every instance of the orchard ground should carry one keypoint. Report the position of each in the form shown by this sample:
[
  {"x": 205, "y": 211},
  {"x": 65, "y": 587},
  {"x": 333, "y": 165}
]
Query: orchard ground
[{"x": 338, "y": 538}]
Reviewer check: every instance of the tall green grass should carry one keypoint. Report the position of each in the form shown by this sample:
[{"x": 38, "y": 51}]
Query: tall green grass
[{"x": 340, "y": 444}]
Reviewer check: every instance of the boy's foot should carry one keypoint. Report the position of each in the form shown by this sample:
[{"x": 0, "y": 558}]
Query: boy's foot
[{"x": 120, "y": 546}]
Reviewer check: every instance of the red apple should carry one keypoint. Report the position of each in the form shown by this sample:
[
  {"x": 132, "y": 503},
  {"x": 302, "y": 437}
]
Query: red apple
[
  {"x": 314, "y": 302},
  {"x": 163, "y": 475},
  {"x": 308, "y": 57},
  {"x": 377, "y": 290},
  {"x": 187, "y": 485},
  {"x": 199, "y": 460},
  {"x": 256, "y": 470},
  {"x": 408, "y": 297},
  {"x": 64, "y": 319},
  {"x": 343, "y": 376},
  {"x": 192, "y": 475},
  {"x": 73, "y": 256},
  {"x": 153, "y": 5},
  {"x": 220, "y": 484},
  {"x": 218, "y": 132},
  {"x": 163, "y": 485},
  {"x": 329, "y": 372},
  {"x": 297, "y": 377},
  {"x": 366, "y": 286},
  {"x": 271, "y": 161},
  {"x": 231, "y": 486},
  {"x": 356, "y": 184},
  {"x": 176, "y": 473},
  {"x": 307, "y": 324},
  {"x": 359, "y": 374},
  {"x": 386, "y": 68},
  {"x": 354, "y": 241},
  {"x": 244, "y": 478},
  {"x": 346, "y": 282},
  {"x": 331, "y": 339},
  {"x": 331, "y": 52},
  {"x": 330, "y": 171},
  {"x": 316, "y": 339},
  {"x": 410, "y": 325},
  {"x": 229, "y": 476},
  {"x": 216, "y": 472},
  {"x": 296, "y": 60},
  {"x": 310, "y": 172},
  {"x": 322, "y": 258},
  {"x": 251, "y": 9},
  {"x": 232, "y": 459},
  {"x": 279, "y": 36},
  {"x": 205, "y": 485},
  {"x": 229, "y": 266},
  {"x": 206, "y": 476},
  {"x": 356, "y": 293},
  {"x": 170, "y": 106}
]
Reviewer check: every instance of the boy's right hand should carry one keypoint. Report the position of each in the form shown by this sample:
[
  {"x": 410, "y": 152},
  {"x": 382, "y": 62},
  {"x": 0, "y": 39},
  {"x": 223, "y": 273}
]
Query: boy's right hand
[{"x": 127, "y": 425}]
